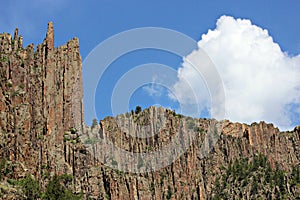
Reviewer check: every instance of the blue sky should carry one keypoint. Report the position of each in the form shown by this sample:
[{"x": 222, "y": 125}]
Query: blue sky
[{"x": 94, "y": 21}]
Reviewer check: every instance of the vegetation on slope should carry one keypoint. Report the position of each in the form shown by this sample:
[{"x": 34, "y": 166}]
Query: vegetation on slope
[
  {"x": 255, "y": 179},
  {"x": 29, "y": 188}
]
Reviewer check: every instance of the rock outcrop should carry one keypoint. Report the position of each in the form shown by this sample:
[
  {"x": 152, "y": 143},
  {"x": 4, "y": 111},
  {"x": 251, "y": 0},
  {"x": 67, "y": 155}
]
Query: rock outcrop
[
  {"x": 191, "y": 175},
  {"x": 42, "y": 133},
  {"x": 40, "y": 99}
]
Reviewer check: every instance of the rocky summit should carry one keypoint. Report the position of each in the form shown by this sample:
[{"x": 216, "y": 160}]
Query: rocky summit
[{"x": 47, "y": 152}]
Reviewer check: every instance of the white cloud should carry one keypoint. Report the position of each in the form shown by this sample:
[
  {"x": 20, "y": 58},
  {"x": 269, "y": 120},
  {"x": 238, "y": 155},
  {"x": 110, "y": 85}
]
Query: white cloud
[
  {"x": 260, "y": 80},
  {"x": 153, "y": 90}
]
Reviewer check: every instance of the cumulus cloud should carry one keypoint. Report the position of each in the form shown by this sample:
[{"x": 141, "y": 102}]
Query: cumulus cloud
[{"x": 260, "y": 81}]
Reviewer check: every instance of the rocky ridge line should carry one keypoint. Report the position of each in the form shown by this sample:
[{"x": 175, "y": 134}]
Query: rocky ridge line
[{"x": 42, "y": 133}]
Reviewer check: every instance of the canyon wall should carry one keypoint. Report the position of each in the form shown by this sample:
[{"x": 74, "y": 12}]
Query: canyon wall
[
  {"x": 40, "y": 100},
  {"x": 42, "y": 133}
]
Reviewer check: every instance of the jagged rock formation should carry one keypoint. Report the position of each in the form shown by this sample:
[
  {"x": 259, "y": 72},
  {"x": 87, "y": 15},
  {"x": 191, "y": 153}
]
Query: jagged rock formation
[
  {"x": 40, "y": 99},
  {"x": 190, "y": 177},
  {"x": 42, "y": 133}
]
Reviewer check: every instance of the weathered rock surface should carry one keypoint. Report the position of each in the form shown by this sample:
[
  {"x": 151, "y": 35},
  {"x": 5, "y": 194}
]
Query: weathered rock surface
[
  {"x": 42, "y": 133},
  {"x": 192, "y": 175},
  {"x": 40, "y": 99}
]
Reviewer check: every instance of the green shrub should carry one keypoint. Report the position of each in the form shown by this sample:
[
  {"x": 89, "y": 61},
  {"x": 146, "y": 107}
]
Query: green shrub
[
  {"x": 94, "y": 123},
  {"x": 170, "y": 193},
  {"x": 56, "y": 191},
  {"x": 256, "y": 174},
  {"x": 21, "y": 86},
  {"x": 138, "y": 109},
  {"x": 31, "y": 188},
  {"x": 73, "y": 130},
  {"x": 90, "y": 141}
]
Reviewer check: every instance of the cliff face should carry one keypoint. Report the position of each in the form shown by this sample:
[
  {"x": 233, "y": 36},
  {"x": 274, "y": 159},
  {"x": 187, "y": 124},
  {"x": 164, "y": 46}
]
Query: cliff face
[
  {"x": 192, "y": 175},
  {"x": 40, "y": 99},
  {"x": 42, "y": 133}
]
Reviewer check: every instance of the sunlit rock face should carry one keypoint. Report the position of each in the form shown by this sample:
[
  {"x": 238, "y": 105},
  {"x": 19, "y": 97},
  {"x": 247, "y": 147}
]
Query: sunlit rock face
[{"x": 42, "y": 133}]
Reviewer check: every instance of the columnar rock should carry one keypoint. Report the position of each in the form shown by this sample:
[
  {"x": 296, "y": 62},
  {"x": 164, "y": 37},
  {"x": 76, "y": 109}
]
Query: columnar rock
[
  {"x": 40, "y": 99},
  {"x": 42, "y": 133},
  {"x": 190, "y": 176}
]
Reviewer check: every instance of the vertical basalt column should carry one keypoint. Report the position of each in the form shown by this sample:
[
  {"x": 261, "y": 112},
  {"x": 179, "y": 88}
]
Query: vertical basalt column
[{"x": 50, "y": 36}]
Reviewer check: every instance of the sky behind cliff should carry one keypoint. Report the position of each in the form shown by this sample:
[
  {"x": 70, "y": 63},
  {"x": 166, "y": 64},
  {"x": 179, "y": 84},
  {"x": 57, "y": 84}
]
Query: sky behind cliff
[{"x": 260, "y": 84}]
